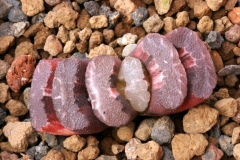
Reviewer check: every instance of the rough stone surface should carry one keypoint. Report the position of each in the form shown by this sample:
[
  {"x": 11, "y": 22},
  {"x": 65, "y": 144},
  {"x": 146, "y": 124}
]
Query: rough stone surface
[
  {"x": 212, "y": 152},
  {"x": 51, "y": 140},
  {"x": 231, "y": 80},
  {"x": 52, "y": 2},
  {"x": 182, "y": 19},
  {"x": 67, "y": 17},
  {"x": 125, "y": 133},
  {"x": 236, "y": 135},
  {"x": 31, "y": 8},
  {"x": 4, "y": 66},
  {"x": 169, "y": 24},
  {"x": 16, "y": 108},
  {"x": 162, "y": 6},
  {"x": 33, "y": 29},
  {"x": 38, "y": 18},
  {"x": 167, "y": 153},
  {"x": 17, "y": 15},
  {"x": 205, "y": 24},
  {"x": 149, "y": 151},
  {"x": 194, "y": 123},
  {"x": 53, "y": 46},
  {"x": 6, "y": 42},
  {"x": 97, "y": 22},
  {"x": 4, "y": 9},
  {"x": 50, "y": 20},
  {"x": 228, "y": 128},
  {"x": 40, "y": 38},
  {"x": 105, "y": 157},
  {"x": 4, "y": 155},
  {"x": 162, "y": 131},
  {"x": 225, "y": 142},
  {"x": 92, "y": 8},
  {"x": 233, "y": 34},
  {"x": 108, "y": 35},
  {"x": 74, "y": 143},
  {"x": 234, "y": 16},
  {"x": 95, "y": 39},
  {"x": 117, "y": 148},
  {"x": 127, "y": 38},
  {"x": 83, "y": 19},
  {"x": 128, "y": 49},
  {"x": 153, "y": 24},
  {"x": 201, "y": 9},
  {"x": 18, "y": 134},
  {"x": 54, "y": 155},
  {"x": 20, "y": 72},
  {"x": 130, "y": 148},
  {"x": 214, "y": 40},
  {"x": 222, "y": 24},
  {"x": 185, "y": 146},
  {"x": 91, "y": 152},
  {"x": 226, "y": 107},
  {"x": 102, "y": 49},
  {"x": 69, "y": 47},
  {"x": 85, "y": 34},
  {"x": 215, "y": 4},
  {"x": 3, "y": 115},
  {"x": 26, "y": 48},
  {"x": 236, "y": 151},
  {"x": 139, "y": 16}
]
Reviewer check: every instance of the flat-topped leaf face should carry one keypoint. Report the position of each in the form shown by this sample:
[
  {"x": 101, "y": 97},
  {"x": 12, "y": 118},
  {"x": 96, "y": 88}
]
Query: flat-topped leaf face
[{"x": 168, "y": 76}]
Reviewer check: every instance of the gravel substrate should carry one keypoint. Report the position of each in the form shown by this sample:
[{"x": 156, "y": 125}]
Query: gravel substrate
[{"x": 47, "y": 29}]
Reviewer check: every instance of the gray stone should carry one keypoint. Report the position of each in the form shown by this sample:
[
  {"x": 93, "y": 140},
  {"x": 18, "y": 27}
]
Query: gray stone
[
  {"x": 229, "y": 69},
  {"x": 4, "y": 8},
  {"x": 51, "y": 140},
  {"x": 214, "y": 40},
  {"x": 162, "y": 131},
  {"x": 16, "y": 15},
  {"x": 233, "y": 34},
  {"x": 105, "y": 157},
  {"x": 140, "y": 15},
  {"x": 4, "y": 66},
  {"x": 113, "y": 19},
  {"x": 38, "y": 18},
  {"x": 92, "y": 8},
  {"x": 40, "y": 151},
  {"x": 104, "y": 9},
  {"x": 167, "y": 153},
  {"x": 13, "y": 29},
  {"x": 225, "y": 142},
  {"x": 15, "y": 3},
  {"x": 26, "y": 97},
  {"x": 3, "y": 115},
  {"x": 215, "y": 131}
]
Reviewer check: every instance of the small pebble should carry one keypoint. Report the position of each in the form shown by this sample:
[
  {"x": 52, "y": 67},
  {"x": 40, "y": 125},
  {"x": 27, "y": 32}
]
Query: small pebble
[
  {"x": 128, "y": 49},
  {"x": 139, "y": 16},
  {"x": 92, "y": 8},
  {"x": 95, "y": 39},
  {"x": 215, "y": 131},
  {"x": 228, "y": 128},
  {"x": 234, "y": 16},
  {"x": 38, "y": 152},
  {"x": 4, "y": 93},
  {"x": 91, "y": 152},
  {"x": 4, "y": 66},
  {"x": 108, "y": 35},
  {"x": 53, "y": 46},
  {"x": 51, "y": 140},
  {"x": 153, "y": 24},
  {"x": 169, "y": 24},
  {"x": 236, "y": 135},
  {"x": 17, "y": 15},
  {"x": 23, "y": 65},
  {"x": 150, "y": 150},
  {"x": 162, "y": 131},
  {"x": 205, "y": 25},
  {"x": 16, "y": 108},
  {"x": 67, "y": 17},
  {"x": 201, "y": 9},
  {"x": 40, "y": 38},
  {"x": 113, "y": 19},
  {"x": 128, "y": 38},
  {"x": 85, "y": 34},
  {"x": 69, "y": 47},
  {"x": 182, "y": 19},
  {"x": 102, "y": 49},
  {"x": 212, "y": 152},
  {"x": 227, "y": 107},
  {"x": 3, "y": 115},
  {"x": 230, "y": 69},
  {"x": 231, "y": 80},
  {"x": 214, "y": 40},
  {"x": 214, "y": 4},
  {"x": 162, "y": 6},
  {"x": 185, "y": 146},
  {"x": 17, "y": 134},
  {"x": 222, "y": 24},
  {"x": 50, "y": 20},
  {"x": 105, "y": 157},
  {"x": 225, "y": 142},
  {"x": 236, "y": 151},
  {"x": 117, "y": 148},
  {"x": 52, "y": 2},
  {"x": 39, "y": 18},
  {"x": 167, "y": 153},
  {"x": 11, "y": 118},
  {"x": 236, "y": 51},
  {"x": 26, "y": 48},
  {"x": 230, "y": 4},
  {"x": 126, "y": 133},
  {"x": 104, "y": 9},
  {"x": 130, "y": 148},
  {"x": 97, "y": 22},
  {"x": 31, "y": 8},
  {"x": 4, "y": 155},
  {"x": 194, "y": 123},
  {"x": 54, "y": 155},
  {"x": 83, "y": 19},
  {"x": 26, "y": 97},
  {"x": 74, "y": 143},
  {"x": 6, "y": 42},
  {"x": 5, "y": 8},
  {"x": 233, "y": 34}
]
